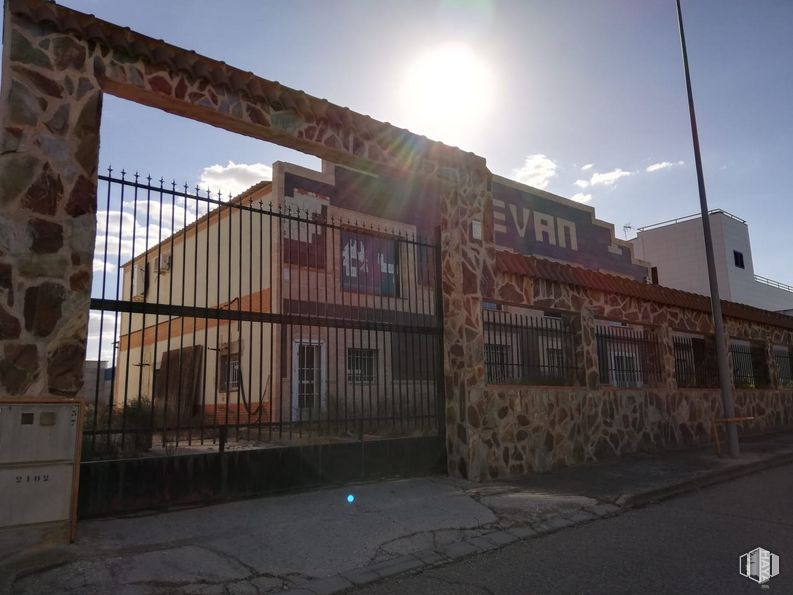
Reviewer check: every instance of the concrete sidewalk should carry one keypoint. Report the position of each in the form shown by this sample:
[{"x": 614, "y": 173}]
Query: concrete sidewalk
[{"x": 318, "y": 542}]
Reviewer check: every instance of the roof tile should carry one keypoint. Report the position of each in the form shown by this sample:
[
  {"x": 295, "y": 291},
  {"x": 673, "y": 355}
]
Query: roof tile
[{"x": 540, "y": 268}]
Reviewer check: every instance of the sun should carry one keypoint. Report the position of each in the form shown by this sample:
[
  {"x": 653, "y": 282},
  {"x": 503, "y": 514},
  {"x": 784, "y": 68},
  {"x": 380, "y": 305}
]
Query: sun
[{"x": 447, "y": 92}]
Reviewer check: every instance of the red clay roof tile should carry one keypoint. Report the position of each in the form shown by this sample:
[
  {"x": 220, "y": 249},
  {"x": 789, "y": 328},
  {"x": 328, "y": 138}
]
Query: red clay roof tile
[{"x": 540, "y": 268}]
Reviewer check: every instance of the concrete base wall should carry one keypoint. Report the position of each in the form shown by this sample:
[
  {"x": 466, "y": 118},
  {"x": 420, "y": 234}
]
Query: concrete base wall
[
  {"x": 128, "y": 485},
  {"x": 517, "y": 430}
]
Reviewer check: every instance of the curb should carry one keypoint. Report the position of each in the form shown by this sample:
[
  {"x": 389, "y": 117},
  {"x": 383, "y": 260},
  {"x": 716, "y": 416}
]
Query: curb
[
  {"x": 654, "y": 495},
  {"x": 424, "y": 559}
]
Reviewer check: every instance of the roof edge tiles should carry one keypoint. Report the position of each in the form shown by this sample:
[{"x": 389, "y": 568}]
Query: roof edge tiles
[{"x": 540, "y": 268}]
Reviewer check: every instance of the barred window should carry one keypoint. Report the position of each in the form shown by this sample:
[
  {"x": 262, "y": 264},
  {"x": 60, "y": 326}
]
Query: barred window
[
  {"x": 496, "y": 358},
  {"x": 695, "y": 361},
  {"x": 522, "y": 347},
  {"x": 628, "y": 356},
  {"x": 361, "y": 365},
  {"x": 229, "y": 377},
  {"x": 749, "y": 368},
  {"x": 784, "y": 365}
]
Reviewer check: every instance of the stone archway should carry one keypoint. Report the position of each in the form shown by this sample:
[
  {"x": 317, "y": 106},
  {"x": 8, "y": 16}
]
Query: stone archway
[{"x": 58, "y": 63}]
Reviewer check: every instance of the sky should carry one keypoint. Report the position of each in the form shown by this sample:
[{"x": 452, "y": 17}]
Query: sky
[{"x": 583, "y": 98}]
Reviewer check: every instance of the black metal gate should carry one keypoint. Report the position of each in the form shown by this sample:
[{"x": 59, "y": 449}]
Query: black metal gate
[{"x": 256, "y": 321}]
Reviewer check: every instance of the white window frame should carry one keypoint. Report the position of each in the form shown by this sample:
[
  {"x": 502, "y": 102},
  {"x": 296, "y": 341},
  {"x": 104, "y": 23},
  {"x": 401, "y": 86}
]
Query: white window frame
[
  {"x": 614, "y": 373},
  {"x": 323, "y": 386}
]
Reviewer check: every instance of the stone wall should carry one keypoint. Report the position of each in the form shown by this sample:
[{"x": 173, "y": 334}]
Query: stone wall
[{"x": 524, "y": 429}]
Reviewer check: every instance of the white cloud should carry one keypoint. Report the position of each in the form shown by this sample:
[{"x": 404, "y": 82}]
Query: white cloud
[
  {"x": 608, "y": 178},
  {"x": 537, "y": 171},
  {"x": 108, "y": 324},
  {"x": 581, "y": 197},
  {"x": 234, "y": 177},
  {"x": 586, "y": 167},
  {"x": 581, "y": 183},
  {"x": 662, "y": 165}
]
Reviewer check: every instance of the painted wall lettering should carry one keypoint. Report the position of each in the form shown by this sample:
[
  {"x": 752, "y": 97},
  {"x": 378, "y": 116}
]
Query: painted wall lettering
[{"x": 532, "y": 222}]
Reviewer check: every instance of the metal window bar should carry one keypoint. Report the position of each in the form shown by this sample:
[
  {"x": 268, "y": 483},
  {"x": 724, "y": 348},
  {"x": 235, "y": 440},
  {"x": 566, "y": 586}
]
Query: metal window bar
[
  {"x": 201, "y": 350},
  {"x": 695, "y": 362},
  {"x": 362, "y": 365},
  {"x": 527, "y": 349},
  {"x": 784, "y": 366},
  {"x": 749, "y": 368},
  {"x": 628, "y": 357}
]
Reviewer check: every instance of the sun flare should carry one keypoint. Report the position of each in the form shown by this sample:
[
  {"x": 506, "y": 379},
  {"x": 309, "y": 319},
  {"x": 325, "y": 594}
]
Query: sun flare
[{"x": 447, "y": 90}]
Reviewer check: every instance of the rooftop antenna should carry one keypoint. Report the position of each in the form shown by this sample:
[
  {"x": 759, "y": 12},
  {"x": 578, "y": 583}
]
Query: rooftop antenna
[{"x": 625, "y": 229}]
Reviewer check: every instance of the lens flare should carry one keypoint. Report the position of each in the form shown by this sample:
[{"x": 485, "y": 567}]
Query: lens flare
[{"x": 448, "y": 89}]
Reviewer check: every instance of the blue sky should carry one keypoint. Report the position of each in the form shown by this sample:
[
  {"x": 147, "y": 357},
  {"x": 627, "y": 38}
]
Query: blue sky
[{"x": 561, "y": 84}]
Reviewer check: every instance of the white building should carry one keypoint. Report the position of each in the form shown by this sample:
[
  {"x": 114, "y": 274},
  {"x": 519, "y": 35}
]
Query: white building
[{"x": 676, "y": 252}]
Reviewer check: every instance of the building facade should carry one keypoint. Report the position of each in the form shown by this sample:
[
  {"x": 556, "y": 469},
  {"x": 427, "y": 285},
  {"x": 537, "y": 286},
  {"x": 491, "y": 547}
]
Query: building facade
[
  {"x": 282, "y": 248},
  {"x": 337, "y": 243},
  {"x": 676, "y": 251}
]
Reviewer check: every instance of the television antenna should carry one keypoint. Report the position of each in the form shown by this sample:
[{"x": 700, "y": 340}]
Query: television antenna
[{"x": 625, "y": 229}]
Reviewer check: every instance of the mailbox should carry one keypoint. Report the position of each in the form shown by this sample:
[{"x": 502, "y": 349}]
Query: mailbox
[{"x": 39, "y": 463}]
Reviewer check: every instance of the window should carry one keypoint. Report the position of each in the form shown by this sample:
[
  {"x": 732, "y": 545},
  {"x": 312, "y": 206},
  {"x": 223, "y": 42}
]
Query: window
[
  {"x": 425, "y": 265},
  {"x": 309, "y": 375},
  {"x": 524, "y": 348},
  {"x": 496, "y": 358},
  {"x": 628, "y": 356},
  {"x": 625, "y": 371},
  {"x": 361, "y": 365},
  {"x": 738, "y": 259},
  {"x": 554, "y": 362},
  {"x": 749, "y": 369},
  {"x": 695, "y": 361},
  {"x": 139, "y": 280},
  {"x": 229, "y": 377},
  {"x": 784, "y": 365},
  {"x": 369, "y": 264},
  {"x": 654, "y": 275}
]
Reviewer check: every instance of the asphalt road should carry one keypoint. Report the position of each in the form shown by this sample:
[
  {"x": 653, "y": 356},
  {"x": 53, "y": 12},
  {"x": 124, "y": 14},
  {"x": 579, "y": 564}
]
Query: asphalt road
[{"x": 689, "y": 544}]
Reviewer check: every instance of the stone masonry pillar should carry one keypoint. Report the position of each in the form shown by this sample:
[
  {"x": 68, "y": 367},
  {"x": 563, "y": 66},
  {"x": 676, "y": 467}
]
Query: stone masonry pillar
[
  {"x": 586, "y": 353},
  {"x": 49, "y": 141},
  {"x": 666, "y": 348},
  {"x": 468, "y": 255}
]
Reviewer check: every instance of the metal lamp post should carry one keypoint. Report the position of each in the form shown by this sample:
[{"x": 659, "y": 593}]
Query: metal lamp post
[{"x": 718, "y": 321}]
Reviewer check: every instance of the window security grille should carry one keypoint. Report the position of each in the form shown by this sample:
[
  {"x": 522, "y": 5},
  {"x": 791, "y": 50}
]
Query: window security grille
[{"x": 361, "y": 365}]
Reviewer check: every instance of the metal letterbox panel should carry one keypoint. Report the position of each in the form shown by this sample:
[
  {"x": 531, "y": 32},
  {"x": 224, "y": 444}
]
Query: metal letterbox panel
[
  {"x": 35, "y": 494},
  {"x": 31, "y": 433}
]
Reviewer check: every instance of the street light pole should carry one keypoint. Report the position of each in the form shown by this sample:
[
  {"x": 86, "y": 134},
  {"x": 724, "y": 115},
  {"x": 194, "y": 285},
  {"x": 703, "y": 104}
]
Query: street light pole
[{"x": 718, "y": 321}]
